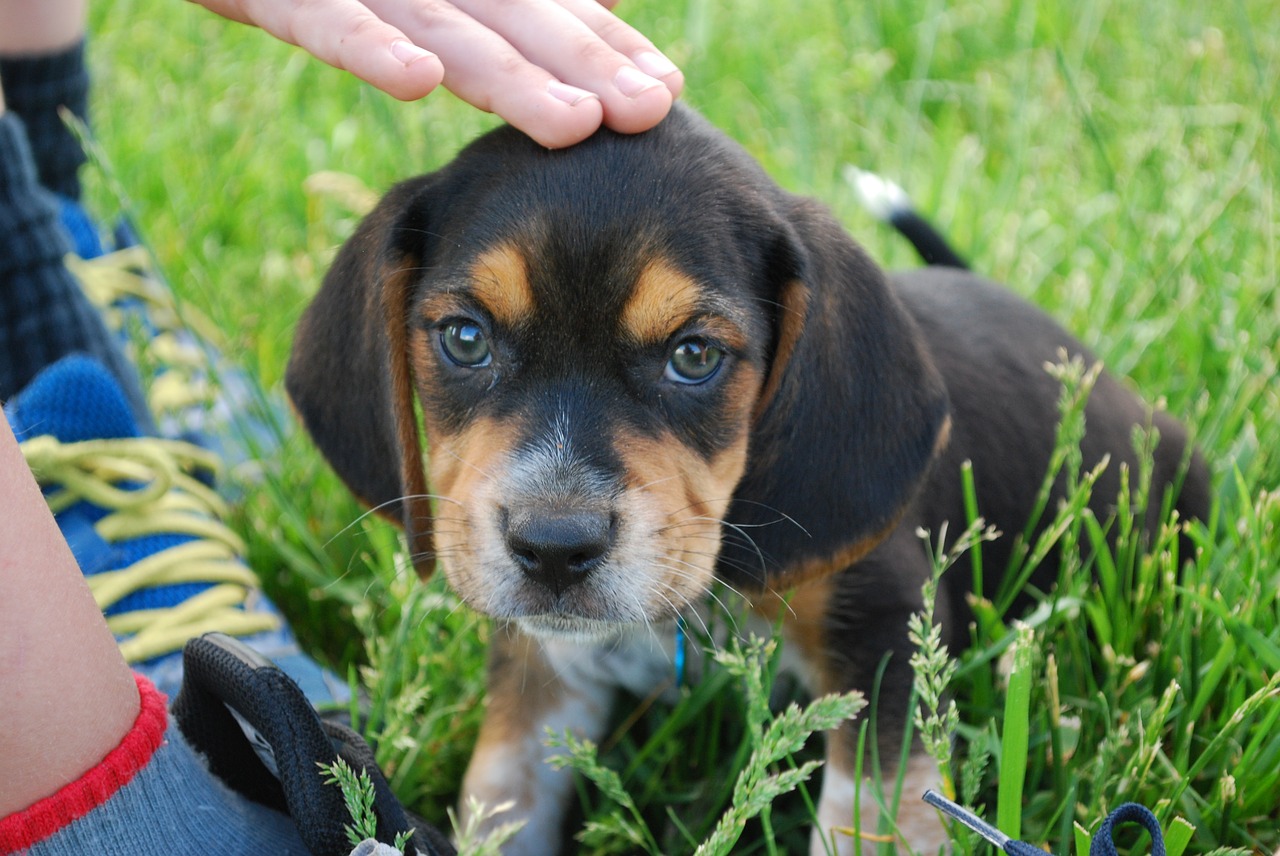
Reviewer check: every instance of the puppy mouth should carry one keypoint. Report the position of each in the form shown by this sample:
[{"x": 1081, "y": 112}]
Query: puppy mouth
[
  {"x": 572, "y": 628},
  {"x": 595, "y": 609}
]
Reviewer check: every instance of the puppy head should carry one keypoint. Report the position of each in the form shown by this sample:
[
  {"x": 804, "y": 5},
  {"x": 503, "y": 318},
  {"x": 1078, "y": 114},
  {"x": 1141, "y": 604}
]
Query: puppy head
[{"x": 640, "y": 364}]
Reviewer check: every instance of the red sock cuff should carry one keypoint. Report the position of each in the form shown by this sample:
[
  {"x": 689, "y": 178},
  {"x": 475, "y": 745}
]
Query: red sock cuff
[{"x": 42, "y": 819}]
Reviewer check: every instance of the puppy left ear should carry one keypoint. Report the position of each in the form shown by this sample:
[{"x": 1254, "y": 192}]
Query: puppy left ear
[
  {"x": 851, "y": 415},
  {"x": 349, "y": 375}
]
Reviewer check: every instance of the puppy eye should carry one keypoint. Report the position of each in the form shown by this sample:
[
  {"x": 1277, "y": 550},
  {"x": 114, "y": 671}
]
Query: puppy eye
[
  {"x": 464, "y": 343},
  {"x": 693, "y": 361}
]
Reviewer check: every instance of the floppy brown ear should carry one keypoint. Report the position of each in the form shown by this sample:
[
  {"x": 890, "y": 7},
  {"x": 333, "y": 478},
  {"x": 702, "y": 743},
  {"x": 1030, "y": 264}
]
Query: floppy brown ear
[
  {"x": 349, "y": 374},
  {"x": 851, "y": 415}
]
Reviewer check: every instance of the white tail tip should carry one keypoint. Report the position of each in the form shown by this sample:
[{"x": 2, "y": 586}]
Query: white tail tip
[{"x": 880, "y": 196}]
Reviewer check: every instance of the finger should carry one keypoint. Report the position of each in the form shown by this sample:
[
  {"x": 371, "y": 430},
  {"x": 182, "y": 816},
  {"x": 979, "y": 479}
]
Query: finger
[
  {"x": 627, "y": 40},
  {"x": 485, "y": 70},
  {"x": 346, "y": 35},
  {"x": 554, "y": 38}
]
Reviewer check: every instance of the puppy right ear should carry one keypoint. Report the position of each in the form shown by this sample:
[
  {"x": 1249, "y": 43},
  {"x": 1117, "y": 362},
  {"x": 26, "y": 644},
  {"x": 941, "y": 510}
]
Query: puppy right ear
[
  {"x": 349, "y": 375},
  {"x": 851, "y": 416}
]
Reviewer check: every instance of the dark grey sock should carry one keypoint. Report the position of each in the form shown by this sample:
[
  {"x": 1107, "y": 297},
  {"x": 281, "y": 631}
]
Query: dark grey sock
[
  {"x": 35, "y": 87},
  {"x": 44, "y": 315}
]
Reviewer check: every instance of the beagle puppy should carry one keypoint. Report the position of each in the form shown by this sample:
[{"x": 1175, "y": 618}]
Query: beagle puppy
[{"x": 642, "y": 367}]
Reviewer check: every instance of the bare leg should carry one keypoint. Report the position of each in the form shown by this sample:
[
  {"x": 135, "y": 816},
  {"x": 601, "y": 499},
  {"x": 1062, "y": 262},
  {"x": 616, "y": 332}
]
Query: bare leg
[{"x": 69, "y": 697}]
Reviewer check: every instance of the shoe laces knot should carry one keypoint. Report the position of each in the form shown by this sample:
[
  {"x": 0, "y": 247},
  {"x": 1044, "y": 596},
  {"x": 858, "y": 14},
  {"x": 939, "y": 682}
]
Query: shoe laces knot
[{"x": 150, "y": 486}]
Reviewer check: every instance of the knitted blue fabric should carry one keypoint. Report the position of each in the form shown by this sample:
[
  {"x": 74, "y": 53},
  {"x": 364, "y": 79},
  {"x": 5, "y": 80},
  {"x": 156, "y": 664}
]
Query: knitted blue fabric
[
  {"x": 75, "y": 400},
  {"x": 86, "y": 242},
  {"x": 174, "y": 806}
]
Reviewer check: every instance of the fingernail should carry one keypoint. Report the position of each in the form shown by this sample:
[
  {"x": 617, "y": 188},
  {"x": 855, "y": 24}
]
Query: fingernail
[
  {"x": 654, "y": 64},
  {"x": 571, "y": 95},
  {"x": 632, "y": 82},
  {"x": 407, "y": 52}
]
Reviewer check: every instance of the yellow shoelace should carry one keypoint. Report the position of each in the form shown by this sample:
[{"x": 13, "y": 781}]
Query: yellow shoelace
[
  {"x": 169, "y": 501},
  {"x": 109, "y": 279}
]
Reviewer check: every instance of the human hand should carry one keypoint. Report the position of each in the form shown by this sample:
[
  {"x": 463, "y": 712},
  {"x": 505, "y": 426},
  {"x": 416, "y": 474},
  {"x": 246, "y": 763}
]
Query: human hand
[{"x": 555, "y": 69}]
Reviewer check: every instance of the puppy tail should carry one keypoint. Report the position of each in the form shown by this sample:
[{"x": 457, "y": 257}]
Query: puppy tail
[{"x": 890, "y": 204}]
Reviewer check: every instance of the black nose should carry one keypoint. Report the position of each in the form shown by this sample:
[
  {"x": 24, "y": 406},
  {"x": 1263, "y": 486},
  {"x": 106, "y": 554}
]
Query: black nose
[{"x": 558, "y": 549}]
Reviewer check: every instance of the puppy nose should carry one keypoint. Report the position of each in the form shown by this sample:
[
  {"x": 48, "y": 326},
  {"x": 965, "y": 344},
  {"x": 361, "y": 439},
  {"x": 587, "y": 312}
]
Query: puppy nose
[{"x": 559, "y": 549}]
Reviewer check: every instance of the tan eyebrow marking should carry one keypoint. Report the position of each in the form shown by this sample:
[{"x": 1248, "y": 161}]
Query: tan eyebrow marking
[
  {"x": 500, "y": 282},
  {"x": 662, "y": 300},
  {"x": 459, "y": 461}
]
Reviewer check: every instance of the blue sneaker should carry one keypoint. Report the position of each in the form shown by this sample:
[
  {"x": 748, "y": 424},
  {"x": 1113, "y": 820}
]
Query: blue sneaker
[
  {"x": 194, "y": 393},
  {"x": 144, "y": 523}
]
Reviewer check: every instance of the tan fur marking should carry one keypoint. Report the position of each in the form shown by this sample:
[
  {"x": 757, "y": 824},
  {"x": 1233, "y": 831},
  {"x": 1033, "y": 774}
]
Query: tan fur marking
[
  {"x": 522, "y": 687},
  {"x": 461, "y": 465},
  {"x": 918, "y": 825},
  {"x": 663, "y": 299},
  {"x": 416, "y": 511},
  {"x": 533, "y": 687},
  {"x": 500, "y": 281},
  {"x": 943, "y": 439},
  {"x": 822, "y": 567},
  {"x": 794, "y": 300},
  {"x": 803, "y": 612},
  {"x": 693, "y": 494},
  {"x": 802, "y": 573},
  {"x": 508, "y": 762},
  {"x": 458, "y": 461}
]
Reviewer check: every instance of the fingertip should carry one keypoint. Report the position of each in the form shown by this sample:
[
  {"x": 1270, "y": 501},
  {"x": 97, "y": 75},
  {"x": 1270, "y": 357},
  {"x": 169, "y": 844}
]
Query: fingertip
[
  {"x": 641, "y": 109},
  {"x": 654, "y": 64},
  {"x": 567, "y": 115},
  {"x": 412, "y": 84},
  {"x": 657, "y": 66},
  {"x": 675, "y": 83},
  {"x": 571, "y": 95},
  {"x": 416, "y": 74}
]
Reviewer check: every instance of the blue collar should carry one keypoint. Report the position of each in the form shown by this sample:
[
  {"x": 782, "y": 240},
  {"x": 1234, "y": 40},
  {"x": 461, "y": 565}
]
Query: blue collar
[{"x": 681, "y": 644}]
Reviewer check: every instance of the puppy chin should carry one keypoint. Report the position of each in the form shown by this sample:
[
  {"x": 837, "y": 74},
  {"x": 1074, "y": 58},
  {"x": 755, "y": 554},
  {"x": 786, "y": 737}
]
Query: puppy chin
[{"x": 570, "y": 628}]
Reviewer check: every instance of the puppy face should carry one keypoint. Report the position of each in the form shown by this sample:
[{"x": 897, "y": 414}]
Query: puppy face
[
  {"x": 587, "y": 405},
  {"x": 640, "y": 365}
]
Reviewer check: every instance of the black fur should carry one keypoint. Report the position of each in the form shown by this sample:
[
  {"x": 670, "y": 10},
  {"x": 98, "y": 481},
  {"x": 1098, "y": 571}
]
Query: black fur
[{"x": 865, "y": 373}]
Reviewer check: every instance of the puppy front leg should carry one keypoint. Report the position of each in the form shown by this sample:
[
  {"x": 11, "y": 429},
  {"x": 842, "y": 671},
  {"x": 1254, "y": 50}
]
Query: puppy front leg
[
  {"x": 917, "y": 823},
  {"x": 843, "y": 629},
  {"x": 533, "y": 686}
]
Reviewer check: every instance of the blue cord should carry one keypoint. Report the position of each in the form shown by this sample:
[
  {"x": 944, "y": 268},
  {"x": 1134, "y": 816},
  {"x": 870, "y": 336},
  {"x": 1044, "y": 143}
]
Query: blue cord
[
  {"x": 681, "y": 641},
  {"x": 1103, "y": 843}
]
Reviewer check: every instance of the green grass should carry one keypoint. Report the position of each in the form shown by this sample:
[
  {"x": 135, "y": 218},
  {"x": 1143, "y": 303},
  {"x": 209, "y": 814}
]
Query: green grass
[{"x": 1114, "y": 162}]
